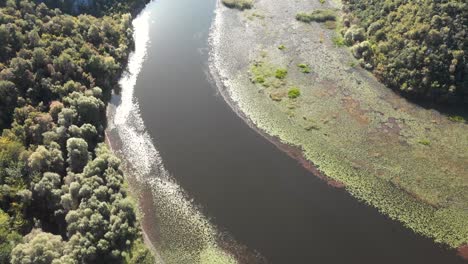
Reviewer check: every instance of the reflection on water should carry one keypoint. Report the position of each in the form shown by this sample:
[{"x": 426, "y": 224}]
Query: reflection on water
[{"x": 183, "y": 234}]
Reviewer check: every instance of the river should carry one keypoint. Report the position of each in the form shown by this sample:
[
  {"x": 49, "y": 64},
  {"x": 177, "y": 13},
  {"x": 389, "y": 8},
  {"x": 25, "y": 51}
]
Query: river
[{"x": 197, "y": 162}]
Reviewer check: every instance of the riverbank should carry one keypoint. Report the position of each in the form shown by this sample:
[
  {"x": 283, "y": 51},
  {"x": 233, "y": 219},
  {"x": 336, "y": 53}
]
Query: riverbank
[{"x": 408, "y": 162}]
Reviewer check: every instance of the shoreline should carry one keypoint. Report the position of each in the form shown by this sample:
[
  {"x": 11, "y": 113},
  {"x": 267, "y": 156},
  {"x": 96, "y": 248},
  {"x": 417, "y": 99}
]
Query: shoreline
[
  {"x": 228, "y": 80},
  {"x": 140, "y": 197},
  {"x": 292, "y": 151}
]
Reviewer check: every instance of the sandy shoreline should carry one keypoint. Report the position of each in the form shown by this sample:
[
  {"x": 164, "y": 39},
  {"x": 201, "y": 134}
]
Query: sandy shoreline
[{"x": 392, "y": 124}]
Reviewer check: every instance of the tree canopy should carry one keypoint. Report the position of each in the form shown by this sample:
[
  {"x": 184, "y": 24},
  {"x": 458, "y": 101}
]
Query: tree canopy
[
  {"x": 417, "y": 47},
  {"x": 60, "y": 187}
]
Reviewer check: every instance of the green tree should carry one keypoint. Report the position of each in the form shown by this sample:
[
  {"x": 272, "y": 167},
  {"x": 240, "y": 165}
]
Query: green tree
[
  {"x": 8, "y": 237},
  {"x": 8, "y": 102},
  {"x": 38, "y": 248},
  {"x": 78, "y": 155}
]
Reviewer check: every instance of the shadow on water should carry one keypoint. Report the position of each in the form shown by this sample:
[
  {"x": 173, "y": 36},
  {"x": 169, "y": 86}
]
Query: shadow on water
[{"x": 262, "y": 197}]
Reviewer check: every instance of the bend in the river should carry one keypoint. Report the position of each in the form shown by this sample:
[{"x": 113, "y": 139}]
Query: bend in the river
[{"x": 170, "y": 111}]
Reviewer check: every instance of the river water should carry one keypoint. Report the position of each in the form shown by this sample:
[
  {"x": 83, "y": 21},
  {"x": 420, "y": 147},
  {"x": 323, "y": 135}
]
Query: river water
[{"x": 204, "y": 168}]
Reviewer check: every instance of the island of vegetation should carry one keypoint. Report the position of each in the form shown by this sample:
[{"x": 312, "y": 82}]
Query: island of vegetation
[
  {"x": 63, "y": 195},
  {"x": 294, "y": 79}
]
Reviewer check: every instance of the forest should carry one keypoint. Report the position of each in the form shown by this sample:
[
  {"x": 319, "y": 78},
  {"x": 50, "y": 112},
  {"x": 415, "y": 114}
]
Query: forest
[
  {"x": 416, "y": 47},
  {"x": 63, "y": 196}
]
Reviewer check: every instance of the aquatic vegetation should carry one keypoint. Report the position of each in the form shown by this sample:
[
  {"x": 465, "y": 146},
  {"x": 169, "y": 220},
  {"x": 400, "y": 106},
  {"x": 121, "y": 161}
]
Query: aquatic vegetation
[
  {"x": 321, "y": 15},
  {"x": 281, "y": 47},
  {"x": 238, "y": 4}
]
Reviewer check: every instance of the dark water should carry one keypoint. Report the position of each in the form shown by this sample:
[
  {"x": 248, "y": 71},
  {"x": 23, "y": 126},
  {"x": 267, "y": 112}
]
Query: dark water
[{"x": 249, "y": 188}]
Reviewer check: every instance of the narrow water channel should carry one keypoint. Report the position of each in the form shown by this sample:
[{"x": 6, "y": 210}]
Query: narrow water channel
[{"x": 243, "y": 183}]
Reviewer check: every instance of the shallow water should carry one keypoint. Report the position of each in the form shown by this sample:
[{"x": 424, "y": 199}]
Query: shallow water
[{"x": 244, "y": 184}]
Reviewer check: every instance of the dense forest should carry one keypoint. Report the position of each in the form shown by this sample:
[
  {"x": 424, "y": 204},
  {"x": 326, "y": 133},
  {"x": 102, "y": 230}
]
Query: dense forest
[
  {"x": 417, "y": 47},
  {"x": 62, "y": 193}
]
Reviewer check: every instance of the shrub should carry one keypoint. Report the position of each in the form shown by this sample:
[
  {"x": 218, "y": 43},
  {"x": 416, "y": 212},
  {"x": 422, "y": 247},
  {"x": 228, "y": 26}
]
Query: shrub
[
  {"x": 338, "y": 41},
  {"x": 281, "y": 73},
  {"x": 424, "y": 142},
  {"x": 458, "y": 119},
  {"x": 238, "y": 4},
  {"x": 321, "y": 15},
  {"x": 304, "y": 68},
  {"x": 294, "y": 93},
  {"x": 362, "y": 50},
  {"x": 354, "y": 34}
]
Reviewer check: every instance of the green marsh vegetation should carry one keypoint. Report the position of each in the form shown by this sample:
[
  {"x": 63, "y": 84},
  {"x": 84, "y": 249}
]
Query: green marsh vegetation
[
  {"x": 64, "y": 196},
  {"x": 238, "y": 4}
]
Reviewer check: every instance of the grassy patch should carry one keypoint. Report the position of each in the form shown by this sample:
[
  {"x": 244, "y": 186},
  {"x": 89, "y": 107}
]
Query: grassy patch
[
  {"x": 304, "y": 68},
  {"x": 139, "y": 254},
  {"x": 281, "y": 73},
  {"x": 238, "y": 4},
  {"x": 424, "y": 142},
  {"x": 338, "y": 40},
  {"x": 260, "y": 73},
  {"x": 267, "y": 75},
  {"x": 457, "y": 119},
  {"x": 294, "y": 93},
  {"x": 321, "y": 15}
]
